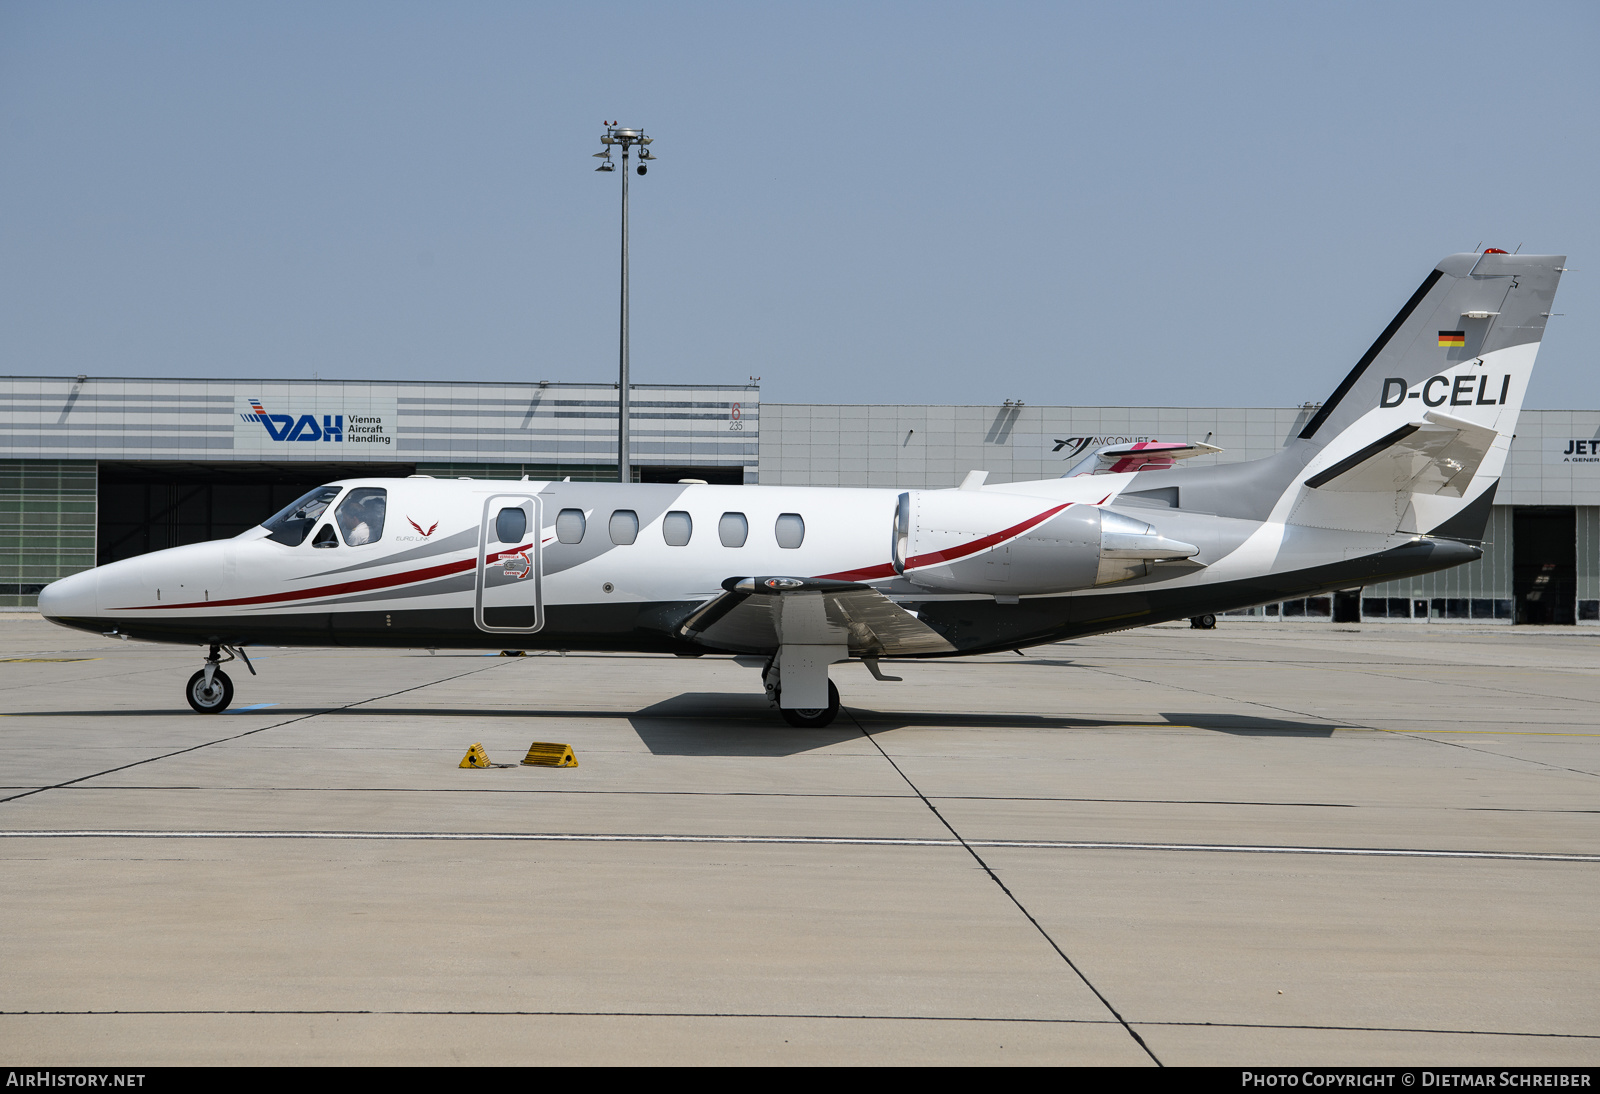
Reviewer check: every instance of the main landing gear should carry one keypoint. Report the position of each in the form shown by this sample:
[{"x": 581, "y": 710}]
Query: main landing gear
[
  {"x": 209, "y": 691},
  {"x": 800, "y": 717},
  {"x": 813, "y": 719}
]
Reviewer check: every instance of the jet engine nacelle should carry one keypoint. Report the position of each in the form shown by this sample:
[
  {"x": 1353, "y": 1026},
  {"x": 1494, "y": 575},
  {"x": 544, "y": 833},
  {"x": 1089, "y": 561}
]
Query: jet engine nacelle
[{"x": 1009, "y": 544}]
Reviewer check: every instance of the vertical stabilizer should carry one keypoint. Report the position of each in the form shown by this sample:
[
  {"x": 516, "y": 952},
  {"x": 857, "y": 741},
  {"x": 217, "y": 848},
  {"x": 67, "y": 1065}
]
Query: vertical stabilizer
[{"x": 1419, "y": 430}]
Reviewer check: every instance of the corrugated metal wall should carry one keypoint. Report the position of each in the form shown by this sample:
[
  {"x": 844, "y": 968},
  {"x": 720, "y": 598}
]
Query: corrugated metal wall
[{"x": 47, "y": 525}]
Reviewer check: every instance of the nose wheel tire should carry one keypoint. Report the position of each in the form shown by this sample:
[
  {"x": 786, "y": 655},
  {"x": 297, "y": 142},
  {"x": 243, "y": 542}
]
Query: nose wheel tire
[
  {"x": 212, "y": 700},
  {"x": 814, "y": 719}
]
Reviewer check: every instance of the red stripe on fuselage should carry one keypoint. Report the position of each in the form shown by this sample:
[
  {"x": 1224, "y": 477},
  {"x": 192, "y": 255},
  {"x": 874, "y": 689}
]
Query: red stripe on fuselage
[
  {"x": 410, "y": 577},
  {"x": 933, "y": 558},
  {"x": 866, "y": 573}
]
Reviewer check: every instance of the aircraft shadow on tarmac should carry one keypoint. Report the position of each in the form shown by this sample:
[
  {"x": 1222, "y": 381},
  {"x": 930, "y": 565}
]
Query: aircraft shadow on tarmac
[
  {"x": 722, "y": 724},
  {"x": 1248, "y": 726},
  {"x": 729, "y": 724},
  {"x": 735, "y": 724}
]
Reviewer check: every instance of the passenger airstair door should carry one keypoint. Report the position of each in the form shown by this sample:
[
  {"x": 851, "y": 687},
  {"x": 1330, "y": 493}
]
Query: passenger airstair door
[{"x": 508, "y": 593}]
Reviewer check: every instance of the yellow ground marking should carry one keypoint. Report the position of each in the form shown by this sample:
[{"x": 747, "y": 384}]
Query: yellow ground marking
[{"x": 1487, "y": 732}]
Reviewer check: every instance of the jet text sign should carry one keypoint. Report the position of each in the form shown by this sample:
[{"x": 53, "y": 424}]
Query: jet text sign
[{"x": 1584, "y": 451}]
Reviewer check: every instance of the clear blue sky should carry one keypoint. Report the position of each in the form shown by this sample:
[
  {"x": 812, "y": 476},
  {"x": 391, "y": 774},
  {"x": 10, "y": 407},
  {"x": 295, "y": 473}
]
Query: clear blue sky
[{"x": 1186, "y": 204}]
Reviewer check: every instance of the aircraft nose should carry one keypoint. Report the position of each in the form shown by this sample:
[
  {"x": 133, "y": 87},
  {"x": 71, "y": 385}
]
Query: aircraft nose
[{"x": 70, "y": 598}]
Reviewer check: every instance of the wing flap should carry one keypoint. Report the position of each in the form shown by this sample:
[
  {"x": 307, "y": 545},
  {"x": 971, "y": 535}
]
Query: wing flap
[{"x": 753, "y": 614}]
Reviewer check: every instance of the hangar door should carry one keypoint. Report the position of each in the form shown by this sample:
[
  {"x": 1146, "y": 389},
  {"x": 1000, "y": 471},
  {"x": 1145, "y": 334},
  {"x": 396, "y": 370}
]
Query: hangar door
[
  {"x": 146, "y": 507},
  {"x": 1544, "y": 563}
]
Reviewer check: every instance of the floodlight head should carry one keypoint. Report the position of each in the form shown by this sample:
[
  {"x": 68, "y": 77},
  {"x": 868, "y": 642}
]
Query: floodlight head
[
  {"x": 642, "y": 169},
  {"x": 605, "y": 167}
]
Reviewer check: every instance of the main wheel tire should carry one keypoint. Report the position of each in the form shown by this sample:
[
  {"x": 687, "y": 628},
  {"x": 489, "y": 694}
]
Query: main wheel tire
[
  {"x": 212, "y": 700},
  {"x": 1208, "y": 622},
  {"x": 812, "y": 719}
]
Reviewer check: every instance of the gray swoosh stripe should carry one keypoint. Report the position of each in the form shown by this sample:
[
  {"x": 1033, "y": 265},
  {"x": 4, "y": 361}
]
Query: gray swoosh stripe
[{"x": 455, "y": 583}]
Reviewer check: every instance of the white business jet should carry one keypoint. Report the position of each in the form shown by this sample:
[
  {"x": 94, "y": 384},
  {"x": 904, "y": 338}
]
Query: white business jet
[{"x": 1393, "y": 475}]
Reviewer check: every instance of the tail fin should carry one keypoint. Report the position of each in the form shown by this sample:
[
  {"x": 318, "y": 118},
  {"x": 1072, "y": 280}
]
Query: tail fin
[{"x": 1426, "y": 416}]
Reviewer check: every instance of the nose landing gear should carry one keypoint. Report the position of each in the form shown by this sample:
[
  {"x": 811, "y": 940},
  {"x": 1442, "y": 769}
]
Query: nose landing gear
[{"x": 209, "y": 691}]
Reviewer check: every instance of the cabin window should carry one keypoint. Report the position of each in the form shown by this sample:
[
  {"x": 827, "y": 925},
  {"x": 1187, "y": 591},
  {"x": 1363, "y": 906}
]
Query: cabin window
[
  {"x": 569, "y": 526},
  {"x": 733, "y": 529},
  {"x": 360, "y": 515},
  {"x": 624, "y": 526},
  {"x": 293, "y": 523},
  {"x": 325, "y": 537},
  {"x": 676, "y": 528},
  {"x": 511, "y": 525},
  {"x": 791, "y": 530}
]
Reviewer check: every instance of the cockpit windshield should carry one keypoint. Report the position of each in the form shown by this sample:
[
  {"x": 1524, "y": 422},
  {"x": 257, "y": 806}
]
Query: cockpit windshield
[{"x": 294, "y": 522}]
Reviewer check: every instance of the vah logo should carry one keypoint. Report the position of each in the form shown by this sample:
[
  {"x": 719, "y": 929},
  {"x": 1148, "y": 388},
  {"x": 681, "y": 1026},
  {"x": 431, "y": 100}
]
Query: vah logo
[
  {"x": 334, "y": 427},
  {"x": 286, "y": 427}
]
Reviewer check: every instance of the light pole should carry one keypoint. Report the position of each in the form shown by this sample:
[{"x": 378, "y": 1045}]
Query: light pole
[{"x": 627, "y": 138}]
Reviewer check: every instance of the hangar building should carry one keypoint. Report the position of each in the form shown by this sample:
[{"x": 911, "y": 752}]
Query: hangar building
[{"x": 95, "y": 469}]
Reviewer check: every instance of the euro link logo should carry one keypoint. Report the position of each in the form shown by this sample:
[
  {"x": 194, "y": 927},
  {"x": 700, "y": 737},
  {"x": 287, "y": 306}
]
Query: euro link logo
[
  {"x": 285, "y": 427},
  {"x": 1469, "y": 390}
]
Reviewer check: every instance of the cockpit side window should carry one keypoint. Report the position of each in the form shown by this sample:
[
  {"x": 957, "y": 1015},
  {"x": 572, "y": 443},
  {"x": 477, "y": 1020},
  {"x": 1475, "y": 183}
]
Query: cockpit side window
[
  {"x": 292, "y": 524},
  {"x": 360, "y": 515}
]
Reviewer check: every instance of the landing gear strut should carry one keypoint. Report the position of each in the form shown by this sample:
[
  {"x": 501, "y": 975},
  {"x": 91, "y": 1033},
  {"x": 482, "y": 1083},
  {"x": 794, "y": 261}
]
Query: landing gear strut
[{"x": 209, "y": 691}]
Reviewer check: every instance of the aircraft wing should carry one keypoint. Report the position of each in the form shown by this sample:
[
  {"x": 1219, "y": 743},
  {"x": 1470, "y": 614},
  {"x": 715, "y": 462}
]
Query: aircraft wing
[
  {"x": 1436, "y": 456},
  {"x": 758, "y": 614}
]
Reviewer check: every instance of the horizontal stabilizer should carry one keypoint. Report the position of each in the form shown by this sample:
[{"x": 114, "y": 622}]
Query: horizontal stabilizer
[
  {"x": 1439, "y": 455},
  {"x": 752, "y": 617},
  {"x": 1139, "y": 456}
]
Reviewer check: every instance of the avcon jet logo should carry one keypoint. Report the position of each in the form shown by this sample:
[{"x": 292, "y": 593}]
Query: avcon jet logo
[
  {"x": 284, "y": 427},
  {"x": 1074, "y": 445}
]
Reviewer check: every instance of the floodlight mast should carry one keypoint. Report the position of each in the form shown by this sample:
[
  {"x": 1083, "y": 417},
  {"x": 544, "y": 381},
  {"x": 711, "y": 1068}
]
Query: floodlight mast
[{"x": 626, "y": 138}]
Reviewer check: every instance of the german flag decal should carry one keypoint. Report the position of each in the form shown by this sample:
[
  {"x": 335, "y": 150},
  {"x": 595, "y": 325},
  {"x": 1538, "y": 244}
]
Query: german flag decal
[{"x": 1452, "y": 338}]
